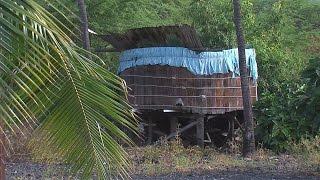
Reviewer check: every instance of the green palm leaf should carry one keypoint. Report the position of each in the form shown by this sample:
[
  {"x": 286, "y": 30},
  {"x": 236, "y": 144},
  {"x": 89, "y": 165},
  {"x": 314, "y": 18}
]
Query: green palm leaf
[{"x": 48, "y": 84}]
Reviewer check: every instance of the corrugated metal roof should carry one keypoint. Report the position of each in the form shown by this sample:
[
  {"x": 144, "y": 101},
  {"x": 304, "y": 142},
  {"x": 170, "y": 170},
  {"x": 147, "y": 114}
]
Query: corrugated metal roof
[{"x": 178, "y": 35}]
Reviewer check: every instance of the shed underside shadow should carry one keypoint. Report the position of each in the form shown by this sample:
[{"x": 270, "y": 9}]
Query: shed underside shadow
[{"x": 191, "y": 128}]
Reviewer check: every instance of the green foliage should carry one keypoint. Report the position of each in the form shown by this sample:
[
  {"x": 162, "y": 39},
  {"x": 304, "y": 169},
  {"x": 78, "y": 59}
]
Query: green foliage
[
  {"x": 278, "y": 122},
  {"x": 281, "y": 117},
  {"x": 291, "y": 112},
  {"x": 281, "y": 41},
  {"x": 278, "y": 30},
  {"x": 120, "y": 15},
  {"x": 309, "y": 102},
  {"x": 214, "y": 21}
]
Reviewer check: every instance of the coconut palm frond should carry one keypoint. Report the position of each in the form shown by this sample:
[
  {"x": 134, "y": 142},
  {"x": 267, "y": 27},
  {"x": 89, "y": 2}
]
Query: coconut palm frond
[{"x": 48, "y": 83}]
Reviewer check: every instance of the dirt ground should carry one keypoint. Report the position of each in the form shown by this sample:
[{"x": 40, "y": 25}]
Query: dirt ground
[
  {"x": 42, "y": 171},
  {"x": 172, "y": 160}
]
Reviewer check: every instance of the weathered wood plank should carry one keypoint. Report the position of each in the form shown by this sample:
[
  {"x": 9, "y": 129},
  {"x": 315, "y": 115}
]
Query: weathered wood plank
[{"x": 161, "y": 86}]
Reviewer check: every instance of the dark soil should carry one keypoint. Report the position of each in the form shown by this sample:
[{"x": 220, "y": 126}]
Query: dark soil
[{"x": 44, "y": 171}]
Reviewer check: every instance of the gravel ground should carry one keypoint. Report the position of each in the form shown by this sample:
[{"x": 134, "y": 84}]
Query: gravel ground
[
  {"x": 35, "y": 171},
  {"x": 43, "y": 171}
]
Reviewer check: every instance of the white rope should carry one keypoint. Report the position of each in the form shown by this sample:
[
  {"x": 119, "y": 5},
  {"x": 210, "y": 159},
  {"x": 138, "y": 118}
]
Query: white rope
[
  {"x": 187, "y": 87},
  {"x": 172, "y": 77},
  {"x": 200, "y": 96},
  {"x": 181, "y": 107}
]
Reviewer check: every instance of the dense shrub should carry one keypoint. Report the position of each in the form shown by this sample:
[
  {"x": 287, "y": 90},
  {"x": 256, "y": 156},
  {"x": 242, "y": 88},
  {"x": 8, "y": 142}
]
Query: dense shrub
[
  {"x": 292, "y": 111},
  {"x": 278, "y": 122},
  {"x": 309, "y": 103}
]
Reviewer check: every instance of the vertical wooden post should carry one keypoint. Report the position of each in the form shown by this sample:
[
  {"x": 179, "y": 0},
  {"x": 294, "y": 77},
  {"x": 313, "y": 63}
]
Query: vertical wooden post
[
  {"x": 232, "y": 119},
  {"x": 149, "y": 141},
  {"x": 200, "y": 131},
  {"x": 173, "y": 124}
]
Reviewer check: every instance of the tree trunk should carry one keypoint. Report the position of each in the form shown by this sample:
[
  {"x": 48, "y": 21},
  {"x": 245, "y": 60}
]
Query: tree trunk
[
  {"x": 2, "y": 151},
  {"x": 248, "y": 137},
  {"x": 84, "y": 24}
]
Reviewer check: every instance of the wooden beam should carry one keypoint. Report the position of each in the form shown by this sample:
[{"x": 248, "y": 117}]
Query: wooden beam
[
  {"x": 150, "y": 125},
  {"x": 231, "y": 117},
  {"x": 157, "y": 132},
  {"x": 104, "y": 49},
  {"x": 236, "y": 120},
  {"x": 190, "y": 125},
  {"x": 200, "y": 131},
  {"x": 173, "y": 124}
]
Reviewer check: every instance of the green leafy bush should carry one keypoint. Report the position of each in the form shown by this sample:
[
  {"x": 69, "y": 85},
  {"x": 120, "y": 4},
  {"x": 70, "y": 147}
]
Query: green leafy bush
[
  {"x": 292, "y": 111},
  {"x": 309, "y": 103},
  {"x": 277, "y": 119}
]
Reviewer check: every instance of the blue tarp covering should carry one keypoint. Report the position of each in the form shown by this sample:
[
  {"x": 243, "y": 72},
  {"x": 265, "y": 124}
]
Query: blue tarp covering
[{"x": 203, "y": 63}]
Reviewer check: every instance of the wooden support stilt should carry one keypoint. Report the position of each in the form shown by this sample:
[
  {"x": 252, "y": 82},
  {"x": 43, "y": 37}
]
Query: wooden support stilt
[
  {"x": 173, "y": 124},
  {"x": 149, "y": 140},
  {"x": 237, "y": 121},
  {"x": 232, "y": 127},
  {"x": 200, "y": 131}
]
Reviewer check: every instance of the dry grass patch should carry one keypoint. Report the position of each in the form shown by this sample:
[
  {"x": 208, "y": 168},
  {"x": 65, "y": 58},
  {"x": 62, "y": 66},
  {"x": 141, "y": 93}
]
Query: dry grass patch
[
  {"x": 173, "y": 157},
  {"x": 307, "y": 152}
]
